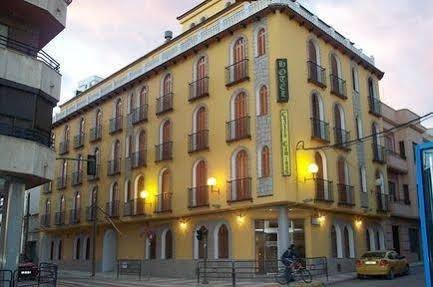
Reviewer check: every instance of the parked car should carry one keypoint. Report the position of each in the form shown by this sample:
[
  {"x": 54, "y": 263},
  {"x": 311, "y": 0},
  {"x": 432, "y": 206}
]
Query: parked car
[{"x": 382, "y": 263}]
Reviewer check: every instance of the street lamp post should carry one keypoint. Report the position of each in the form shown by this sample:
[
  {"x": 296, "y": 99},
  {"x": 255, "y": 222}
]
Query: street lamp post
[{"x": 94, "y": 213}]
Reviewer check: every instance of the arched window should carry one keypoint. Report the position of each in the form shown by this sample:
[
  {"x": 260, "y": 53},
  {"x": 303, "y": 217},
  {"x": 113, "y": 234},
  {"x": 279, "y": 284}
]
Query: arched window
[
  {"x": 322, "y": 192},
  {"x": 114, "y": 192},
  {"x": 377, "y": 152},
  {"x": 166, "y": 132},
  {"x": 345, "y": 194},
  {"x": 334, "y": 245},
  {"x": 77, "y": 254},
  {"x": 264, "y": 101},
  {"x": 368, "y": 239},
  {"x": 118, "y": 109},
  {"x": 313, "y": 53},
  {"x": 87, "y": 246},
  {"x": 116, "y": 150},
  {"x": 82, "y": 127},
  {"x": 371, "y": 91},
  {"x": 52, "y": 246},
  {"x": 335, "y": 68},
  {"x": 64, "y": 169},
  {"x": 265, "y": 162},
  {"x": 141, "y": 144},
  {"x": 143, "y": 96},
  {"x": 363, "y": 176},
  {"x": 98, "y": 118},
  {"x": 168, "y": 245},
  {"x": 77, "y": 201},
  {"x": 62, "y": 206},
  {"x": 355, "y": 80},
  {"x": 128, "y": 192},
  {"x": 346, "y": 242},
  {"x": 241, "y": 164},
  {"x": 66, "y": 134},
  {"x": 239, "y": 70},
  {"x": 164, "y": 198},
  {"x": 240, "y": 185},
  {"x": 261, "y": 42},
  {"x": 128, "y": 147},
  {"x": 60, "y": 250},
  {"x": 320, "y": 127},
  {"x": 239, "y": 124},
  {"x": 240, "y": 106},
  {"x": 79, "y": 163},
  {"x": 341, "y": 135},
  {"x": 167, "y": 85},
  {"x": 223, "y": 242},
  {"x": 200, "y": 120},
  {"x": 98, "y": 157},
  {"x": 359, "y": 130},
  {"x": 200, "y": 188},
  {"x": 201, "y": 71},
  {"x": 47, "y": 206},
  {"x": 131, "y": 102},
  {"x": 140, "y": 204}
]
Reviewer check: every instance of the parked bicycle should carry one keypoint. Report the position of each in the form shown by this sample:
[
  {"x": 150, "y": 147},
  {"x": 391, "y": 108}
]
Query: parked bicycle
[{"x": 298, "y": 270}]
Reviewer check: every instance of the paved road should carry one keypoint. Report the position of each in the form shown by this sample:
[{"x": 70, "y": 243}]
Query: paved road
[{"x": 415, "y": 279}]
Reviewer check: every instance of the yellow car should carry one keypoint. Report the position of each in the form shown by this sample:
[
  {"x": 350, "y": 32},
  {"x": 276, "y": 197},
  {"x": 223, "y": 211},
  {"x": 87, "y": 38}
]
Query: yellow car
[{"x": 382, "y": 263}]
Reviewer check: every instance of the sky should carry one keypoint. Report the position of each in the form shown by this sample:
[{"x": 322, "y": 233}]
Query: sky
[{"x": 102, "y": 36}]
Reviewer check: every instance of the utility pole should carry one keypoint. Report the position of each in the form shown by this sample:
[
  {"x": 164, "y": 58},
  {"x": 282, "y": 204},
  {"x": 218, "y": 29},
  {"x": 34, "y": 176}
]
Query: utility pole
[{"x": 94, "y": 213}]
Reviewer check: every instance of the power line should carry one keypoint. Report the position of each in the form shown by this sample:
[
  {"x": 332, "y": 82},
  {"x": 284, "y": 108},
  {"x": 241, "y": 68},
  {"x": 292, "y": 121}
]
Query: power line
[{"x": 300, "y": 144}]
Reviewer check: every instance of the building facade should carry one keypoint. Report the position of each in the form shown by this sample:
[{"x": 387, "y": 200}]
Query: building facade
[
  {"x": 402, "y": 229},
  {"x": 30, "y": 82},
  {"x": 250, "y": 125}
]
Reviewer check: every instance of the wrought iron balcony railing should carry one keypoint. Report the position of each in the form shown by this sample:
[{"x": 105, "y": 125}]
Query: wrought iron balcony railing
[
  {"x": 45, "y": 220},
  {"x": 134, "y": 207},
  {"x": 97, "y": 174},
  {"x": 237, "y": 72},
  {"x": 198, "y": 196},
  {"x": 382, "y": 202},
  {"x": 62, "y": 182},
  {"x": 139, "y": 159},
  {"x": 112, "y": 209},
  {"x": 75, "y": 216},
  {"x": 60, "y": 218},
  {"x": 163, "y": 202},
  {"x": 198, "y": 141},
  {"x": 342, "y": 137},
  {"x": 316, "y": 74},
  {"x": 116, "y": 125},
  {"x": 239, "y": 190},
  {"x": 238, "y": 129},
  {"x": 164, "y": 104},
  {"x": 164, "y": 152},
  {"x": 139, "y": 115},
  {"x": 324, "y": 190},
  {"x": 346, "y": 194},
  {"x": 375, "y": 106},
  {"x": 320, "y": 130},
  {"x": 338, "y": 87},
  {"x": 63, "y": 147},
  {"x": 79, "y": 140},
  {"x": 77, "y": 178},
  {"x": 95, "y": 133},
  {"x": 199, "y": 89},
  {"x": 114, "y": 167}
]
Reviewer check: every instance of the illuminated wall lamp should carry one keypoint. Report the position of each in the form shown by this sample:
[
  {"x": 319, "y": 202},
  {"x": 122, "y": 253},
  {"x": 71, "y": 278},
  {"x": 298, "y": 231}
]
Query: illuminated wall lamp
[
  {"x": 313, "y": 169},
  {"x": 144, "y": 194},
  {"x": 212, "y": 182}
]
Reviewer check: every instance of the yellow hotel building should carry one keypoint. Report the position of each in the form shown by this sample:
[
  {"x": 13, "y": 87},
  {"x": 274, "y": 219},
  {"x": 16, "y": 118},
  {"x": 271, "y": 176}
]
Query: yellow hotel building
[{"x": 250, "y": 123}]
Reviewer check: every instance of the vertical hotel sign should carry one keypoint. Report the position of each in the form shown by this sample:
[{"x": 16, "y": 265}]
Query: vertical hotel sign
[
  {"x": 282, "y": 81},
  {"x": 285, "y": 143}
]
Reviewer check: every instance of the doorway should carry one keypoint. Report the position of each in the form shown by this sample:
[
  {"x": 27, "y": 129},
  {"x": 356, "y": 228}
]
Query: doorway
[
  {"x": 109, "y": 251},
  {"x": 396, "y": 238}
]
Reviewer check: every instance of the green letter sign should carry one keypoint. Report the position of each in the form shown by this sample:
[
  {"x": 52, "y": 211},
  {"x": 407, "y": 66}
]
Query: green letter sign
[
  {"x": 285, "y": 143},
  {"x": 282, "y": 81}
]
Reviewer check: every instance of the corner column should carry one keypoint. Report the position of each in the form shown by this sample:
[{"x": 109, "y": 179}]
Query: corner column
[
  {"x": 283, "y": 230},
  {"x": 11, "y": 226}
]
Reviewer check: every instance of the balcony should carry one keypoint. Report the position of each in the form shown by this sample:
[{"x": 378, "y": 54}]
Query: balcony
[
  {"x": 316, "y": 74},
  {"x": 45, "y": 220},
  {"x": 163, "y": 202},
  {"x": 338, "y": 87},
  {"x": 320, "y": 130},
  {"x": 31, "y": 51},
  {"x": 95, "y": 133},
  {"x": 114, "y": 167},
  {"x": 77, "y": 178},
  {"x": 396, "y": 162},
  {"x": 164, "y": 152},
  {"x": 64, "y": 148},
  {"x": 62, "y": 182},
  {"x": 198, "y": 196},
  {"x": 138, "y": 115},
  {"x": 116, "y": 125},
  {"x": 237, "y": 73},
  {"x": 199, "y": 89},
  {"x": 239, "y": 190},
  {"x": 375, "y": 106},
  {"x": 97, "y": 174},
  {"x": 60, "y": 218},
  {"x": 112, "y": 209},
  {"x": 238, "y": 129},
  {"x": 346, "y": 195},
  {"x": 164, "y": 104},
  {"x": 79, "y": 140},
  {"x": 139, "y": 159},
  {"x": 379, "y": 153},
  {"x": 90, "y": 213},
  {"x": 198, "y": 141},
  {"x": 342, "y": 137},
  {"x": 382, "y": 202},
  {"x": 134, "y": 207},
  {"x": 47, "y": 188},
  {"x": 75, "y": 216},
  {"x": 324, "y": 190}
]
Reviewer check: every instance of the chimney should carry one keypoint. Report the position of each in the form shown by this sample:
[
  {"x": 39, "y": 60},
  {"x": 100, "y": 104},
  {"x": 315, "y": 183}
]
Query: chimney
[{"x": 168, "y": 35}]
